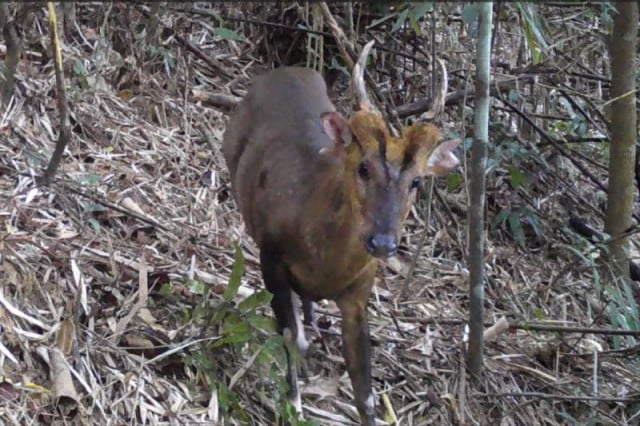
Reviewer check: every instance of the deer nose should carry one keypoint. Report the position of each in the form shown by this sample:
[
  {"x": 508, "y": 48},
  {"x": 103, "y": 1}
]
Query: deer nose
[{"x": 382, "y": 245}]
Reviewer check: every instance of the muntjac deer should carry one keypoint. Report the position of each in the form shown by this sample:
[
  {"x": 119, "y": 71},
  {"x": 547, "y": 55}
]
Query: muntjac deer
[{"x": 324, "y": 198}]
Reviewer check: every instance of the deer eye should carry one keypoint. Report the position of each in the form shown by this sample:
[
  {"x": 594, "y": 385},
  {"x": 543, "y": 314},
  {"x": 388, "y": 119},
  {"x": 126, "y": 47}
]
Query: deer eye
[
  {"x": 414, "y": 183},
  {"x": 363, "y": 171}
]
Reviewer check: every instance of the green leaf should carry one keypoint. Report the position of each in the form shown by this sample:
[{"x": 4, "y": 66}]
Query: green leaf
[
  {"x": 516, "y": 228},
  {"x": 262, "y": 323},
  {"x": 236, "y": 275},
  {"x": 218, "y": 18},
  {"x": 416, "y": 12},
  {"x": 414, "y": 25},
  {"x": 88, "y": 179},
  {"x": 538, "y": 314},
  {"x": 259, "y": 298},
  {"x": 79, "y": 69},
  {"x": 517, "y": 178},
  {"x": 231, "y": 339},
  {"x": 501, "y": 217},
  {"x": 613, "y": 318},
  {"x": 402, "y": 17},
  {"x": 634, "y": 314},
  {"x": 533, "y": 22},
  {"x": 196, "y": 287},
  {"x": 375, "y": 22},
  {"x": 454, "y": 181},
  {"x": 533, "y": 221},
  {"x": 420, "y": 9},
  {"x": 470, "y": 14},
  {"x": 533, "y": 30},
  {"x": 228, "y": 34},
  {"x": 95, "y": 225},
  {"x": 273, "y": 344},
  {"x": 223, "y": 396},
  {"x": 513, "y": 95},
  {"x": 166, "y": 289}
]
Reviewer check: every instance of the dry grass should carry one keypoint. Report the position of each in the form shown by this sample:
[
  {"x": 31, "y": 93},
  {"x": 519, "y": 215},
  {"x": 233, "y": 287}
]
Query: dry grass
[{"x": 101, "y": 304}]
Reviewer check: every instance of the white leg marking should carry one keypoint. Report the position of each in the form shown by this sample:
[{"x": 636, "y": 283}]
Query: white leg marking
[
  {"x": 296, "y": 401},
  {"x": 370, "y": 402},
  {"x": 294, "y": 398},
  {"x": 301, "y": 339}
]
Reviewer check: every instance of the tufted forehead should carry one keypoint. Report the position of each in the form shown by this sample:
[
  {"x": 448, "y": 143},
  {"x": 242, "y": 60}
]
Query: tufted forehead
[{"x": 373, "y": 137}]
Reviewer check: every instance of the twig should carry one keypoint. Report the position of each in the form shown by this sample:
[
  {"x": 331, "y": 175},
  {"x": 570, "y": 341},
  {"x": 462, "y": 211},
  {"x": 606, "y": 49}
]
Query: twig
[
  {"x": 562, "y": 329},
  {"x": 551, "y": 396},
  {"x": 348, "y": 52},
  {"x": 68, "y": 186},
  {"x": 580, "y": 226},
  {"x": 63, "y": 108},
  {"x": 419, "y": 247},
  {"x": 202, "y": 12},
  {"x": 213, "y": 63},
  {"x": 216, "y": 100},
  {"x": 555, "y": 144},
  {"x": 456, "y": 97},
  {"x": 581, "y": 110},
  {"x": 14, "y": 50}
]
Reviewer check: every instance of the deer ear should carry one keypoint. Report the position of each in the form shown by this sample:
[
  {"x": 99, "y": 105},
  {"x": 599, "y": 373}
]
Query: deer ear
[
  {"x": 336, "y": 128},
  {"x": 421, "y": 140},
  {"x": 442, "y": 160}
]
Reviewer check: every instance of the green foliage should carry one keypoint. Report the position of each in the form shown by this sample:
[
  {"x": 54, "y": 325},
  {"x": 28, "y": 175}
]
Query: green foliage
[
  {"x": 335, "y": 64},
  {"x": 622, "y": 308},
  {"x": 165, "y": 55},
  {"x": 241, "y": 331},
  {"x": 517, "y": 178},
  {"x": 89, "y": 179},
  {"x": 236, "y": 275},
  {"x": 80, "y": 72},
  {"x": 91, "y": 208},
  {"x": 227, "y": 34},
  {"x": 623, "y": 312},
  {"x": 532, "y": 29},
  {"x": 196, "y": 287},
  {"x": 409, "y": 11},
  {"x": 603, "y": 11},
  {"x": 513, "y": 220},
  {"x": 454, "y": 181},
  {"x": 509, "y": 158},
  {"x": 470, "y": 17},
  {"x": 513, "y": 155}
]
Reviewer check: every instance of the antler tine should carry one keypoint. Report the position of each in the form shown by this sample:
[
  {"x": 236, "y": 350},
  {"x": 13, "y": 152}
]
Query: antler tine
[
  {"x": 440, "y": 96},
  {"x": 362, "y": 100}
]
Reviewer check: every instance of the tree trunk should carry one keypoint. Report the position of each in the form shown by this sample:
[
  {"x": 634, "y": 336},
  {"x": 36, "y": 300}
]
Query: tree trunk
[
  {"x": 477, "y": 191},
  {"x": 622, "y": 151}
]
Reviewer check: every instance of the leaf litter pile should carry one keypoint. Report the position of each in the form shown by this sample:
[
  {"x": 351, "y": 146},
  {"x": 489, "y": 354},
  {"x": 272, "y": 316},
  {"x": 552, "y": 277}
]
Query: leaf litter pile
[{"x": 124, "y": 299}]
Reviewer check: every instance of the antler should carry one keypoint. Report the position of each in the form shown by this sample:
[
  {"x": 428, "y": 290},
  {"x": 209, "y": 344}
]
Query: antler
[
  {"x": 362, "y": 101},
  {"x": 440, "y": 96}
]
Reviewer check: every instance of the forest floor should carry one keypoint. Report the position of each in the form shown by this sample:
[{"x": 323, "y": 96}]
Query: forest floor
[{"x": 114, "y": 306}]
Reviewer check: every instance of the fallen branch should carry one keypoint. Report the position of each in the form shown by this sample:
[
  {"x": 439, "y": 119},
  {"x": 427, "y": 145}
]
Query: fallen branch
[
  {"x": 223, "y": 102},
  {"x": 418, "y": 107},
  {"x": 550, "y": 396}
]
